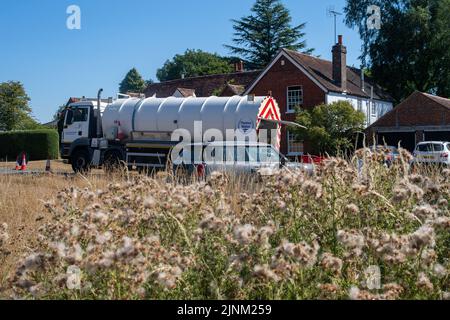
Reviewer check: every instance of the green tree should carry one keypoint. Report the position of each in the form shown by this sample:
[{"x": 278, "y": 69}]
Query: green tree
[
  {"x": 259, "y": 36},
  {"x": 193, "y": 63},
  {"x": 133, "y": 82},
  {"x": 14, "y": 108},
  {"x": 59, "y": 112},
  {"x": 331, "y": 127},
  {"x": 28, "y": 123},
  {"x": 410, "y": 51}
]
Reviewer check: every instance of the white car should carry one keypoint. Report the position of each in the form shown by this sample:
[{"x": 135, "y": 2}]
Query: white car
[
  {"x": 432, "y": 152},
  {"x": 232, "y": 156}
]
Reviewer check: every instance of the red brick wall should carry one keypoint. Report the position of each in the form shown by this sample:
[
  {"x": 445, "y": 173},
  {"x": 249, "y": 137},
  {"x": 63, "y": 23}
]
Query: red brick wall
[
  {"x": 277, "y": 80},
  {"x": 417, "y": 110}
]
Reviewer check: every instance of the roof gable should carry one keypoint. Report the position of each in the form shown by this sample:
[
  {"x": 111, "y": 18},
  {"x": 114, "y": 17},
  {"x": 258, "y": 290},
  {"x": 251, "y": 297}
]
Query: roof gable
[
  {"x": 184, "y": 92},
  {"x": 414, "y": 98},
  {"x": 320, "y": 71}
]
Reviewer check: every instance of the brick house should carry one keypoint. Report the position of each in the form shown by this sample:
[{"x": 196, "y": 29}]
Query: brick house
[
  {"x": 294, "y": 80},
  {"x": 420, "y": 117},
  {"x": 300, "y": 80}
]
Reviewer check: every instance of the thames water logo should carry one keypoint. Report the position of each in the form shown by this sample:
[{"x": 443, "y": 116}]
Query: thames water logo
[
  {"x": 245, "y": 125},
  {"x": 73, "y": 21}
]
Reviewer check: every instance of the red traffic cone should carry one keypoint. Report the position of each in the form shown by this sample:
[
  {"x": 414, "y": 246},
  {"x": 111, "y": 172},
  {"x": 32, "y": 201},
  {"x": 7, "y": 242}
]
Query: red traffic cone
[
  {"x": 47, "y": 166},
  {"x": 120, "y": 134},
  {"x": 17, "y": 164},
  {"x": 23, "y": 167}
]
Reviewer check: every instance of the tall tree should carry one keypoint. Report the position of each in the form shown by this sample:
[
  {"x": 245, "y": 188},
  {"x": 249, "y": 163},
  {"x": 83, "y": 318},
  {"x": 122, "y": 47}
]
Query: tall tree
[
  {"x": 331, "y": 127},
  {"x": 14, "y": 108},
  {"x": 259, "y": 36},
  {"x": 410, "y": 50},
  {"x": 193, "y": 63},
  {"x": 133, "y": 82}
]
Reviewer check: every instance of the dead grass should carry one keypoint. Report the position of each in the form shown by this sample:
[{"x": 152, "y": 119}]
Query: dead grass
[
  {"x": 56, "y": 165},
  {"x": 21, "y": 206},
  {"x": 288, "y": 236}
]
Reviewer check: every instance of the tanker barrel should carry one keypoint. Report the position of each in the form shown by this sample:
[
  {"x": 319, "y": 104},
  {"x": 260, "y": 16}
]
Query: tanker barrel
[{"x": 162, "y": 116}]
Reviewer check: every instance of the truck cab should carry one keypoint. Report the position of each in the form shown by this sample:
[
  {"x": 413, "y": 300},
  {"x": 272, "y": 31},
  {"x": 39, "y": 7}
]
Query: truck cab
[{"x": 78, "y": 130}]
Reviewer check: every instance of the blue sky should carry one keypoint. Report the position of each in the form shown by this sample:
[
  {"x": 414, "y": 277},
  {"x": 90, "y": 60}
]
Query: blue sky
[{"x": 55, "y": 63}]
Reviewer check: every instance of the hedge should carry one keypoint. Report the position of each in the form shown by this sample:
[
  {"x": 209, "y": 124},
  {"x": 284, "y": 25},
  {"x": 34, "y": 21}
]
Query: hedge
[{"x": 38, "y": 144}]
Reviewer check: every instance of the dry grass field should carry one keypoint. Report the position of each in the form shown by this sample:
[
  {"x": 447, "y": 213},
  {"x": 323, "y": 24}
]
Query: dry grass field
[
  {"x": 56, "y": 165},
  {"x": 22, "y": 206},
  {"x": 344, "y": 233}
]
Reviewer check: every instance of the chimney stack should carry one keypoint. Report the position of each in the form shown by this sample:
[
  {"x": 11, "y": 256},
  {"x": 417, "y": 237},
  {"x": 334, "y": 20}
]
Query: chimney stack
[
  {"x": 239, "y": 66},
  {"x": 340, "y": 64}
]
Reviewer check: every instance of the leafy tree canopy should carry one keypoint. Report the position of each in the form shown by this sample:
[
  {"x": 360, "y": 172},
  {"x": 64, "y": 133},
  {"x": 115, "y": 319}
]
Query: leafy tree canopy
[
  {"x": 331, "y": 127},
  {"x": 410, "y": 51},
  {"x": 194, "y": 63},
  {"x": 133, "y": 82},
  {"x": 259, "y": 36},
  {"x": 14, "y": 108}
]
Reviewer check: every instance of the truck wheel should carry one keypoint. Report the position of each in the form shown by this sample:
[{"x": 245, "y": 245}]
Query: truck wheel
[
  {"x": 112, "y": 162},
  {"x": 80, "y": 161}
]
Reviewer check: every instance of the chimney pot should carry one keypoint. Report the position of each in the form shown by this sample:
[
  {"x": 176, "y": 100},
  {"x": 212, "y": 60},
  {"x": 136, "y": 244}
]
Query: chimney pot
[
  {"x": 340, "y": 39},
  {"x": 239, "y": 66}
]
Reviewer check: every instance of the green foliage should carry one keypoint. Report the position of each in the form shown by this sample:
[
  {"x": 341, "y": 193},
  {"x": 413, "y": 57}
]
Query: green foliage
[
  {"x": 259, "y": 36},
  {"x": 331, "y": 127},
  {"x": 29, "y": 123},
  {"x": 133, "y": 82},
  {"x": 38, "y": 144},
  {"x": 14, "y": 108},
  {"x": 410, "y": 51},
  {"x": 193, "y": 63}
]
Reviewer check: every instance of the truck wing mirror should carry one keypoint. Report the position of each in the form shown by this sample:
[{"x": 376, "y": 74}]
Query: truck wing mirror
[{"x": 69, "y": 118}]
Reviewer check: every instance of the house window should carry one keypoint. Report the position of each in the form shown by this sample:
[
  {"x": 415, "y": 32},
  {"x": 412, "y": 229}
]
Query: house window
[
  {"x": 295, "y": 146},
  {"x": 373, "y": 109},
  {"x": 360, "y": 108},
  {"x": 294, "y": 98}
]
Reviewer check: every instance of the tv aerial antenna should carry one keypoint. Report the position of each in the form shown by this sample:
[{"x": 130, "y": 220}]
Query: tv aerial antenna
[{"x": 331, "y": 12}]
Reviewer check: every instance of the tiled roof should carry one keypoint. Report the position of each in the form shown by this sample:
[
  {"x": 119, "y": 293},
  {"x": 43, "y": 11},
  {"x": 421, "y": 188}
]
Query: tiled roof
[
  {"x": 322, "y": 71},
  {"x": 440, "y": 100},
  {"x": 415, "y": 99},
  {"x": 204, "y": 86}
]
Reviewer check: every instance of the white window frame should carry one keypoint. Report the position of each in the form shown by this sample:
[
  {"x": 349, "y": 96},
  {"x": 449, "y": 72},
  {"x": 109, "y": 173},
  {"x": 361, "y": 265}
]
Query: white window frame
[
  {"x": 373, "y": 109},
  {"x": 288, "y": 140},
  {"x": 360, "y": 105},
  {"x": 288, "y": 110}
]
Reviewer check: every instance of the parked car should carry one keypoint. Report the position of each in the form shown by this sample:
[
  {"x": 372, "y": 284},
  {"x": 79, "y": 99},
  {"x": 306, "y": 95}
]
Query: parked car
[
  {"x": 432, "y": 152},
  {"x": 233, "y": 156}
]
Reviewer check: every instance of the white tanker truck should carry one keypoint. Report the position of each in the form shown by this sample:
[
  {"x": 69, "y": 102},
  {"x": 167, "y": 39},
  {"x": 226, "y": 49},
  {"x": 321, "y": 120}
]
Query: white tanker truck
[{"x": 138, "y": 131}]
